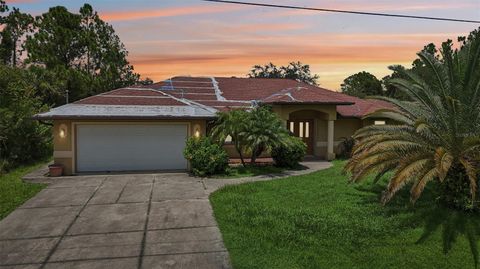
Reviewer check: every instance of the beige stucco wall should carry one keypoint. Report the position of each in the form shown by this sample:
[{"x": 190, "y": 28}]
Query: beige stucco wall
[
  {"x": 232, "y": 152},
  {"x": 64, "y": 148}
]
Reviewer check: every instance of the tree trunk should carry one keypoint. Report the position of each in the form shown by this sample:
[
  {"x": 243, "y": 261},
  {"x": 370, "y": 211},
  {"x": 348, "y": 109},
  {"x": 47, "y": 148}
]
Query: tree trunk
[
  {"x": 256, "y": 152},
  {"x": 14, "y": 59},
  {"x": 240, "y": 154},
  {"x": 456, "y": 189}
]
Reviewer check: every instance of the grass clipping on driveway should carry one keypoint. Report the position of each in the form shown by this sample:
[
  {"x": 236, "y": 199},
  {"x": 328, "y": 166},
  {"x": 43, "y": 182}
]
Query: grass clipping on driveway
[
  {"x": 321, "y": 221},
  {"x": 14, "y": 192}
]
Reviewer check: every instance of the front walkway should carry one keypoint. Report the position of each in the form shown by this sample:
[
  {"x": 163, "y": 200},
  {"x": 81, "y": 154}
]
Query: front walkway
[{"x": 120, "y": 221}]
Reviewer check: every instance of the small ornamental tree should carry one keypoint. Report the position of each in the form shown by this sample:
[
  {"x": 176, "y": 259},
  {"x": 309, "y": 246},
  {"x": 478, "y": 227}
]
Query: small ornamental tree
[
  {"x": 232, "y": 123},
  {"x": 254, "y": 131},
  {"x": 264, "y": 131}
]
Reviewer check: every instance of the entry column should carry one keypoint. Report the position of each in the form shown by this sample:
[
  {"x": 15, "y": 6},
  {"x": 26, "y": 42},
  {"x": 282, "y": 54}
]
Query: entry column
[{"x": 330, "y": 132}]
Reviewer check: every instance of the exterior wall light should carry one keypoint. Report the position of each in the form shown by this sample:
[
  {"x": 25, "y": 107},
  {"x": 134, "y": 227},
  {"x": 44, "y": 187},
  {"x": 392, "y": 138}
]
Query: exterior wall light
[
  {"x": 196, "y": 131},
  {"x": 62, "y": 132}
]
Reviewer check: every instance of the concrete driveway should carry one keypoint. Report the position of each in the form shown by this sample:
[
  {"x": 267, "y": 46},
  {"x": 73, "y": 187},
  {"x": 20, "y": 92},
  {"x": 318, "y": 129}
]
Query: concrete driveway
[{"x": 115, "y": 221}]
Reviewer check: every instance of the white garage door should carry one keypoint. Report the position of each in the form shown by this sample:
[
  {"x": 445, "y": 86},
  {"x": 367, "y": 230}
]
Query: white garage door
[{"x": 131, "y": 147}]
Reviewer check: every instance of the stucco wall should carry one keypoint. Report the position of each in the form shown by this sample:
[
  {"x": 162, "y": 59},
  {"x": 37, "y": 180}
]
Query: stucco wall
[
  {"x": 64, "y": 148},
  {"x": 232, "y": 152}
]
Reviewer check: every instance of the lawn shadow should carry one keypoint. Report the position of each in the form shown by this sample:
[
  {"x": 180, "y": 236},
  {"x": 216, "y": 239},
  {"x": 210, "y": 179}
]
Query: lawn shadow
[{"x": 429, "y": 213}]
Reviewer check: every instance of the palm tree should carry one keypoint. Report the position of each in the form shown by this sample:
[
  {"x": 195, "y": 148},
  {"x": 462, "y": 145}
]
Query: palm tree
[
  {"x": 232, "y": 123},
  {"x": 264, "y": 131},
  {"x": 437, "y": 137}
]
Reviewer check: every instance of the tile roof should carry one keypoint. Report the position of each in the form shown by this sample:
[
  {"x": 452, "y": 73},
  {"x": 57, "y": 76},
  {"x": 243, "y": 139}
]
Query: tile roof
[
  {"x": 128, "y": 103},
  {"x": 261, "y": 88},
  {"x": 362, "y": 107},
  {"x": 213, "y": 94}
]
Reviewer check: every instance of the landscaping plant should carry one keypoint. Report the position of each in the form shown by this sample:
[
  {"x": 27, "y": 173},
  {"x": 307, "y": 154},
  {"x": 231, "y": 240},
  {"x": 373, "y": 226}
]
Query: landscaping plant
[
  {"x": 205, "y": 157},
  {"x": 264, "y": 131},
  {"x": 439, "y": 135},
  {"x": 290, "y": 153},
  {"x": 232, "y": 123},
  {"x": 254, "y": 131},
  {"x": 438, "y": 138}
]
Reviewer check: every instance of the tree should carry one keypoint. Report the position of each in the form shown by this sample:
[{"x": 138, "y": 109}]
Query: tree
[
  {"x": 17, "y": 24},
  {"x": 439, "y": 136},
  {"x": 3, "y": 8},
  {"x": 417, "y": 66},
  {"x": 294, "y": 70},
  {"x": 83, "y": 51},
  {"x": 22, "y": 140},
  {"x": 145, "y": 82},
  {"x": 105, "y": 55},
  {"x": 266, "y": 71},
  {"x": 57, "y": 40},
  {"x": 264, "y": 130},
  {"x": 361, "y": 85},
  {"x": 254, "y": 131},
  {"x": 232, "y": 123}
]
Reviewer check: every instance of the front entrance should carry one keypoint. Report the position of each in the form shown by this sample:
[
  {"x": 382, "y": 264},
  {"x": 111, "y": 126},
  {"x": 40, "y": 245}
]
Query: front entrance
[{"x": 303, "y": 129}]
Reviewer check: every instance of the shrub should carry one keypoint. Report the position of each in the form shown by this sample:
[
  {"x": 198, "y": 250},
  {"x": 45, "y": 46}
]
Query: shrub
[
  {"x": 345, "y": 147},
  {"x": 206, "y": 158},
  {"x": 22, "y": 140},
  {"x": 289, "y": 153}
]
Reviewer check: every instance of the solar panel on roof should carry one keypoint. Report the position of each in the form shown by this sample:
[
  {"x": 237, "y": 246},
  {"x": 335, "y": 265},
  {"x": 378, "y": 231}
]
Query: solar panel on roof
[{"x": 167, "y": 87}]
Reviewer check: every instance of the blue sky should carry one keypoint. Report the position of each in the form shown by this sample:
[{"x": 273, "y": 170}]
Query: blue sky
[{"x": 191, "y": 37}]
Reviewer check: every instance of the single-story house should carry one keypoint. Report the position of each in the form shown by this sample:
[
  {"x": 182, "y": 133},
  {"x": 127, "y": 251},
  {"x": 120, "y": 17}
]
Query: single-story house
[{"x": 145, "y": 127}]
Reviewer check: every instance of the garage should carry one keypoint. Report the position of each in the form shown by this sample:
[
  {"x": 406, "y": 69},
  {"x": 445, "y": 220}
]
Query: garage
[{"x": 130, "y": 147}]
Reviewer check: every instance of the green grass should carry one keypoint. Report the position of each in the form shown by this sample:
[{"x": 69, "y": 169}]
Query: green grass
[
  {"x": 249, "y": 171},
  {"x": 14, "y": 192},
  {"x": 321, "y": 221}
]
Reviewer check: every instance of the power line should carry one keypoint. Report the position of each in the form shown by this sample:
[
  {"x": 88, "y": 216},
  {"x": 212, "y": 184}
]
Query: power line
[{"x": 343, "y": 11}]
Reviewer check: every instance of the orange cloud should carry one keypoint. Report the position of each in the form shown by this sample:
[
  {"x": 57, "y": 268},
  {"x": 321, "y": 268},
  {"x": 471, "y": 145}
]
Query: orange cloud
[
  {"x": 332, "y": 56},
  {"x": 165, "y": 12}
]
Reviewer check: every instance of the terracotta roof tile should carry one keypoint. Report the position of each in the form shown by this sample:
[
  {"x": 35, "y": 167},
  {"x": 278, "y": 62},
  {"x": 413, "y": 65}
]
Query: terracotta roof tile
[
  {"x": 224, "y": 94},
  {"x": 260, "y": 88},
  {"x": 362, "y": 107}
]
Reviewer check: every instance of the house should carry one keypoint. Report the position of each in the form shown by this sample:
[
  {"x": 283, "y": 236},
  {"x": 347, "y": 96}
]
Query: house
[{"x": 145, "y": 127}]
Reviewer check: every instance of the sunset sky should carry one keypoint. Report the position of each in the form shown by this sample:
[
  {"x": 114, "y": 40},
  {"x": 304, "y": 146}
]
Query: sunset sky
[{"x": 191, "y": 37}]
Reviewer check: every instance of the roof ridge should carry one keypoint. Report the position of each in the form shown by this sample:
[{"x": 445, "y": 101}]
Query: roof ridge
[
  {"x": 188, "y": 102},
  {"x": 218, "y": 92}
]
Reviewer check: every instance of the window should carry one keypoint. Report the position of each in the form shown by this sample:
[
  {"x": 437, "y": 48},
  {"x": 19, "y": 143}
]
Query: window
[
  {"x": 307, "y": 129},
  {"x": 379, "y": 122},
  {"x": 301, "y": 129},
  {"x": 292, "y": 127}
]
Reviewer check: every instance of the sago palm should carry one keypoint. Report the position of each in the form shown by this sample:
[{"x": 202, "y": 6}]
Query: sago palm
[{"x": 437, "y": 137}]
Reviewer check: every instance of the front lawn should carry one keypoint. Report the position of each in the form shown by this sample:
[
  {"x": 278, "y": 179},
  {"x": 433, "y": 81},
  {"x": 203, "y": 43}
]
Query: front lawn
[
  {"x": 321, "y": 221},
  {"x": 14, "y": 192}
]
